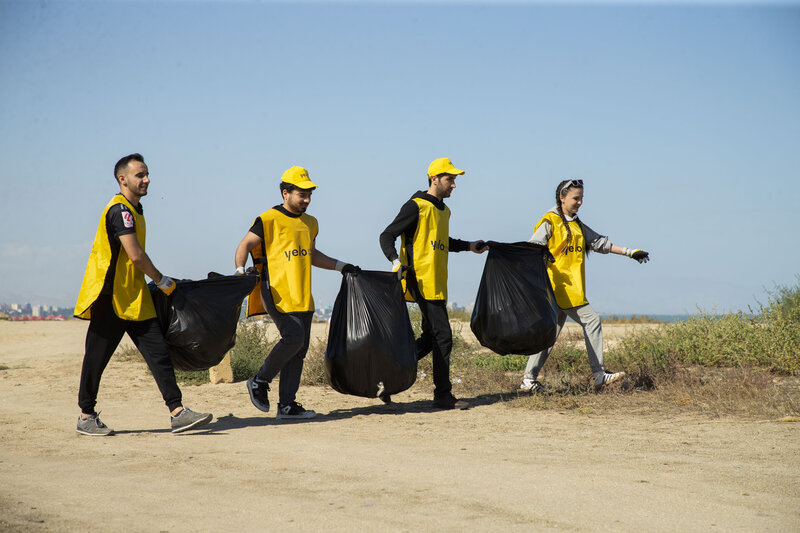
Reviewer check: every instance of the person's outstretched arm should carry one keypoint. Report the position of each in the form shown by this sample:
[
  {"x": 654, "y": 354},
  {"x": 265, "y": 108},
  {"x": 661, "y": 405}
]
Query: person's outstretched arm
[{"x": 320, "y": 260}]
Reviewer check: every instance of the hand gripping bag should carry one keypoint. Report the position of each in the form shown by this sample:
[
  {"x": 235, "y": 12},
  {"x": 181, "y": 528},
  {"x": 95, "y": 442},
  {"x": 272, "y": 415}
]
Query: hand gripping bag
[
  {"x": 515, "y": 311},
  {"x": 199, "y": 318},
  {"x": 370, "y": 344}
]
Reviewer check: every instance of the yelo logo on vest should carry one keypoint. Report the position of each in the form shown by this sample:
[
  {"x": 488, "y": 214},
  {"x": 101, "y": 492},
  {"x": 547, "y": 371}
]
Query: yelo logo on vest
[
  {"x": 297, "y": 252},
  {"x": 438, "y": 245}
]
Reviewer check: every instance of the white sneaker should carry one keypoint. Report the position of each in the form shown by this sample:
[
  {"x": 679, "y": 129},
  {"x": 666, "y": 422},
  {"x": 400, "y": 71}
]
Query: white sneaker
[
  {"x": 532, "y": 386},
  {"x": 604, "y": 378}
]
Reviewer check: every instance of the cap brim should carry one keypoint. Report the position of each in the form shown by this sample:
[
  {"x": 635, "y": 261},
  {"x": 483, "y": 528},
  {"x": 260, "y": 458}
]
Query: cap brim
[
  {"x": 306, "y": 185},
  {"x": 452, "y": 171}
]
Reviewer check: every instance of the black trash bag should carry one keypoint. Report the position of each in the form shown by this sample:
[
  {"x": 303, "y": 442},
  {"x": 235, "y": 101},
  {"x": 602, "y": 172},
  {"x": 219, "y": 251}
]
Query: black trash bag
[
  {"x": 515, "y": 311},
  {"x": 199, "y": 318},
  {"x": 370, "y": 344}
]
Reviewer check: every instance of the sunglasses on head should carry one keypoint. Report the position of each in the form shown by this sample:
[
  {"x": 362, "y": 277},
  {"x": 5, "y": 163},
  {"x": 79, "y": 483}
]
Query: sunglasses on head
[{"x": 571, "y": 183}]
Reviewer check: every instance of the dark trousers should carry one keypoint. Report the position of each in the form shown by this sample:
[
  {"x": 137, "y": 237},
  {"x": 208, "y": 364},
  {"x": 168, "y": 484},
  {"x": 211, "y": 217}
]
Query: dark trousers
[
  {"x": 436, "y": 336},
  {"x": 102, "y": 338},
  {"x": 288, "y": 355}
]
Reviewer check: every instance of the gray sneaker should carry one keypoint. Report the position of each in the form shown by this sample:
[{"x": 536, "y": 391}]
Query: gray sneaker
[
  {"x": 188, "y": 419},
  {"x": 93, "y": 427}
]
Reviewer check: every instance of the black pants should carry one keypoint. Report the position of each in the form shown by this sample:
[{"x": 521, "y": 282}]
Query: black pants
[
  {"x": 436, "y": 336},
  {"x": 288, "y": 355},
  {"x": 102, "y": 338}
]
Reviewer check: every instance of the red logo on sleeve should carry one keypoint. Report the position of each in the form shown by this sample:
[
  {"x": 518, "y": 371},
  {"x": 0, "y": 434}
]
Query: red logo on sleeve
[{"x": 127, "y": 219}]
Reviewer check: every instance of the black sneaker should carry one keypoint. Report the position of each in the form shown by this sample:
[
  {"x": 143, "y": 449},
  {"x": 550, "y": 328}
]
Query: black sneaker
[
  {"x": 258, "y": 393},
  {"x": 449, "y": 402},
  {"x": 385, "y": 398},
  {"x": 294, "y": 410}
]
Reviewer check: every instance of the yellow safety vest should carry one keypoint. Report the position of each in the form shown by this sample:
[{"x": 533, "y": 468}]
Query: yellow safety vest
[
  {"x": 288, "y": 242},
  {"x": 567, "y": 274},
  {"x": 430, "y": 249},
  {"x": 130, "y": 297}
]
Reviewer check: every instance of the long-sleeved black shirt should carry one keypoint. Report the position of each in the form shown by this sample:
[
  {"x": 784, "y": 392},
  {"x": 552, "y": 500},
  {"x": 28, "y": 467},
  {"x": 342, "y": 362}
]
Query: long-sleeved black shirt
[{"x": 405, "y": 223}]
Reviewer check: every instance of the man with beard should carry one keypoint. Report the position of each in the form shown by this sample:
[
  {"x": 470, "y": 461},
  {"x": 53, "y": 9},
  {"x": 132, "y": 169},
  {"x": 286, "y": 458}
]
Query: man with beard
[
  {"x": 116, "y": 300},
  {"x": 282, "y": 244},
  {"x": 423, "y": 226}
]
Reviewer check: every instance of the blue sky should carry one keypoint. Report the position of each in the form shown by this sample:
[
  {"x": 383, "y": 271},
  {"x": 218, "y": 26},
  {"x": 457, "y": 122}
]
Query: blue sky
[{"x": 683, "y": 120}]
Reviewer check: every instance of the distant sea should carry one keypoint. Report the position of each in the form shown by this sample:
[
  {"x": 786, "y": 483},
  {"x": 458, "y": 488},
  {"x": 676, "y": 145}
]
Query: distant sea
[{"x": 659, "y": 318}]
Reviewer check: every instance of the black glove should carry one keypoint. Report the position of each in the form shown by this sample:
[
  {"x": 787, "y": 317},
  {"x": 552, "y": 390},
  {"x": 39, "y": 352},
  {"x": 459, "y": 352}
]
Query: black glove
[
  {"x": 350, "y": 269},
  {"x": 480, "y": 246},
  {"x": 640, "y": 255}
]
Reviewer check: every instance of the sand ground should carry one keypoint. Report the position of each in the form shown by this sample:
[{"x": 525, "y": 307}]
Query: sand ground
[{"x": 362, "y": 465}]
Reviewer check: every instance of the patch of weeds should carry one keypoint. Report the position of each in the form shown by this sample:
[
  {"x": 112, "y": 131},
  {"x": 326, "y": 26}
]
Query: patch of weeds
[
  {"x": 192, "y": 377},
  {"x": 504, "y": 363},
  {"x": 128, "y": 354},
  {"x": 314, "y": 372},
  {"x": 253, "y": 344}
]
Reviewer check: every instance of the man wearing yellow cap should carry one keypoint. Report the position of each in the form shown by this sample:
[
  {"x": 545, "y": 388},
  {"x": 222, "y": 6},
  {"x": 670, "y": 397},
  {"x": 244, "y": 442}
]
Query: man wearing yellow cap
[
  {"x": 281, "y": 242},
  {"x": 424, "y": 231}
]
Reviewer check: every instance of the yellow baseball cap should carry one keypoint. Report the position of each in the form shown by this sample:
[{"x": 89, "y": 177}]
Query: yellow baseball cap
[
  {"x": 442, "y": 166},
  {"x": 298, "y": 176}
]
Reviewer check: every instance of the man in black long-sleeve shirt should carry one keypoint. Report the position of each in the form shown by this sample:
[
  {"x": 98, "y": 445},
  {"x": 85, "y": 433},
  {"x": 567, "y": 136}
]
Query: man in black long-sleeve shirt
[{"x": 423, "y": 228}]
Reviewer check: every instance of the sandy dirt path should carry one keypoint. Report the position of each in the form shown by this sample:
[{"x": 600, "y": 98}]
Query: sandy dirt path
[{"x": 362, "y": 465}]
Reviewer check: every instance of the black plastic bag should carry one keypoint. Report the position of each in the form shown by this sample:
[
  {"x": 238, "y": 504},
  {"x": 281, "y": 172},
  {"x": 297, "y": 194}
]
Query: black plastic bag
[
  {"x": 370, "y": 344},
  {"x": 515, "y": 310},
  {"x": 199, "y": 318}
]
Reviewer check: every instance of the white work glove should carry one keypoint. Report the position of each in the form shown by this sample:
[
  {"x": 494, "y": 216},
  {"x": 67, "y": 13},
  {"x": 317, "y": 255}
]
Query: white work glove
[
  {"x": 638, "y": 254},
  {"x": 166, "y": 284}
]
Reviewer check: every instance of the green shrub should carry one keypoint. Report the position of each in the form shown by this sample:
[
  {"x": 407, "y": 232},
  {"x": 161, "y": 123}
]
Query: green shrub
[
  {"x": 192, "y": 377},
  {"x": 506, "y": 363},
  {"x": 768, "y": 340},
  {"x": 252, "y": 346}
]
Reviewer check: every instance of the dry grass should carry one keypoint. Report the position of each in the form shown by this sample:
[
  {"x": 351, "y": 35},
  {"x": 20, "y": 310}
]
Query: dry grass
[
  {"x": 314, "y": 366},
  {"x": 128, "y": 354},
  {"x": 748, "y": 394}
]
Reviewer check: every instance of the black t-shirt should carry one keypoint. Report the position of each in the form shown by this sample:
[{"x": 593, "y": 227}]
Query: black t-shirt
[
  {"x": 119, "y": 221},
  {"x": 258, "y": 226}
]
